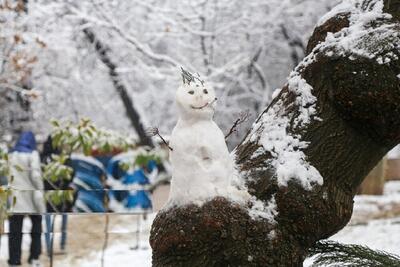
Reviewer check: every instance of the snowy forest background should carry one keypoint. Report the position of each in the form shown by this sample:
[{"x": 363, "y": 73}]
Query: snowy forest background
[
  {"x": 67, "y": 60},
  {"x": 245, "y": 49}
]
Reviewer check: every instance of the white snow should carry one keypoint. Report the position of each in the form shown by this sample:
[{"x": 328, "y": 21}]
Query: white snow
[
  {"x": 271, "y": 131},
  {"x": 288, "y": 159},
  {"x": 395, "y": 152},
  {"x": 286, "y": 149},
  {"x": 381, "y": 235},
  {"x": 118, "y": 255},
  {"x": 260, "y": 210},
  {"x": 276, "y": 92},
  {"x": 343, "y": 7},
  {"x": 358, "y": 38},
  {"x": 202, "y": 167},
  {"x": 304, "y": 98}
]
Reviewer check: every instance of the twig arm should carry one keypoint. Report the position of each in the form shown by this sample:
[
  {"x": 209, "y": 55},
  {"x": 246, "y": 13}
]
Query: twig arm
[
  {"x": 243, "y": 116},
  {"x": 153, "y": 131},
  {"x": 165, "y": 142}
]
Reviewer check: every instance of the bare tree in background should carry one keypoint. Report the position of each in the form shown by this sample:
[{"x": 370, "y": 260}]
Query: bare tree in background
[
  {"x": 131, "y": 112},
  {"x": 238, "y": 46},
  {"x": 18, "y": 52}
]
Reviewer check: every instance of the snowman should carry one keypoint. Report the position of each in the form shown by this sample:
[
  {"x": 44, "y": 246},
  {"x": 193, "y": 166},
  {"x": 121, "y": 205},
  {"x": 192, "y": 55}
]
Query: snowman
[{"x": 202, "y": 167}]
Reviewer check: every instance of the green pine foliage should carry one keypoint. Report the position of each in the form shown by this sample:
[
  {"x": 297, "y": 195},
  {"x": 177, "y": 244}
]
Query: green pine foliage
[{"x": 330, "y": 253}]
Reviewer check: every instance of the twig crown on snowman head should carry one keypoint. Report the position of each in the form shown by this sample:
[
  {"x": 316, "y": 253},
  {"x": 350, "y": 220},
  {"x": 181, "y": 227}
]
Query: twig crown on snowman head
[{"x": 188, "y": 78}]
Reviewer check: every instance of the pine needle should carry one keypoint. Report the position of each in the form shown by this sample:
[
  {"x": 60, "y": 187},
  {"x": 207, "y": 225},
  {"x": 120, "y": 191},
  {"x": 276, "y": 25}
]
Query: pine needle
[{"x": 330, "y": 253}]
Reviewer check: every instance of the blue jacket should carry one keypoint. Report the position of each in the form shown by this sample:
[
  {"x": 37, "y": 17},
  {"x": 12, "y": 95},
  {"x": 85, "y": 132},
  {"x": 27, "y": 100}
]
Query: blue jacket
[{"x": 26, "y": 143}]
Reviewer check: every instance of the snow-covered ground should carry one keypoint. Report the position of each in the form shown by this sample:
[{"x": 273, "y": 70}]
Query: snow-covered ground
[
  {"x": 377, "y": 234},
  {"x": 117, "y": 255},
  {"x": 375, "y": 223}
]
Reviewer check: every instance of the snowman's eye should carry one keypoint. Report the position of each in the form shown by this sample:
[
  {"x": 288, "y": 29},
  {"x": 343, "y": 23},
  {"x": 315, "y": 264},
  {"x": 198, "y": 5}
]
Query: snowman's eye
[
  {"x": 191, "y": 92},
  {"x": 205, "y": 91}
]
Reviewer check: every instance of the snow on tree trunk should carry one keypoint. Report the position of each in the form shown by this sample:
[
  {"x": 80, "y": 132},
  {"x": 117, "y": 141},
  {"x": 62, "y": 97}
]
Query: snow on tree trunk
[{"x": 306, "y": 154}]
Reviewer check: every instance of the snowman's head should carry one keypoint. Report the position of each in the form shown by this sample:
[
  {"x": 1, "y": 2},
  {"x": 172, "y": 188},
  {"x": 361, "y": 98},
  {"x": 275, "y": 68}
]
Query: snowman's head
[{"x": 195, "y": 98}]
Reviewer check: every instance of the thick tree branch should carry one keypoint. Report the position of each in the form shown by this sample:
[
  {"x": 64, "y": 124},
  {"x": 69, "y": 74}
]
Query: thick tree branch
[{"x": 338, "y": 133}]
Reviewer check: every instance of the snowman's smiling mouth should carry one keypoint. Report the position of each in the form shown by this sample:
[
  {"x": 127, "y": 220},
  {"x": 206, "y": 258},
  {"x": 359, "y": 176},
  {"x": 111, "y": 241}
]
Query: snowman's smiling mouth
[
  {"x": 205, "y": 105},
  {"x": 201, "y": 107}
]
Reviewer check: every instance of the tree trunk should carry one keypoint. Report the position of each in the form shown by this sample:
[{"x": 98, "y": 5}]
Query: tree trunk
[
  {"x": 131, "y": 112},
  {"x": 355, "y": 124}
]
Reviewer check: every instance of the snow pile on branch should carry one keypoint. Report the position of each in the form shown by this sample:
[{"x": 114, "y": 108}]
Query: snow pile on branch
[
  {"x": 286, "y": 149},
  {"x": 271, "y": 132},
  {"x": 271, "y": 128},
  {"x": 260, "y": 210},
  {"x": 368, "y": 35},
  {"x": 305, "y": 99}
]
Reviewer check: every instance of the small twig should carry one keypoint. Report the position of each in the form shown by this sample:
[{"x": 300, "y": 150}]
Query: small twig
[
  {"x": 243, "y": 116},
  {"x": 153, "y": 131}
]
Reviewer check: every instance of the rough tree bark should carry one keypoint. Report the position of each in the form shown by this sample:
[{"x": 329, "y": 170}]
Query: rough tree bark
[
  {"x": 358, "y": 101},
  {"x": 133, "y": 115}
]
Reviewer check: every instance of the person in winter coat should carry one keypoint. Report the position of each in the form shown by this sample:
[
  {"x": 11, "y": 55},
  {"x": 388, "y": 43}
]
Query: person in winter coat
[{"x": 27, "y": 187}]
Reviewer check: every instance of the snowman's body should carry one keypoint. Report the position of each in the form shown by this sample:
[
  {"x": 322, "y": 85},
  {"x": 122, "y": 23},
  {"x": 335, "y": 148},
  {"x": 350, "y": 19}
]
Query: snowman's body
[{"x": 202, "y": 167}]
